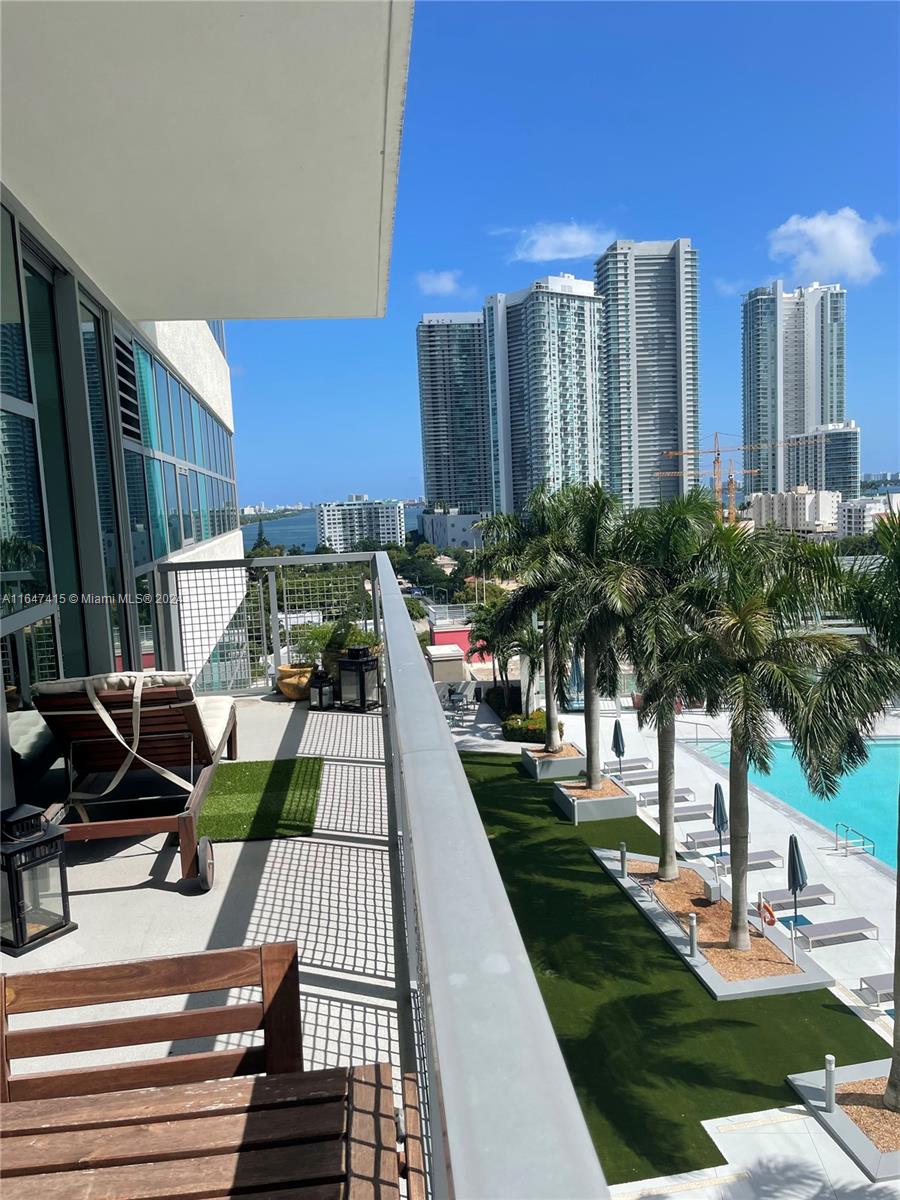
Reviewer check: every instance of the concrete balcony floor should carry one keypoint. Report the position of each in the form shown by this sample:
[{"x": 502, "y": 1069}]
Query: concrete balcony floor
[{"x": 330, "y": 893}]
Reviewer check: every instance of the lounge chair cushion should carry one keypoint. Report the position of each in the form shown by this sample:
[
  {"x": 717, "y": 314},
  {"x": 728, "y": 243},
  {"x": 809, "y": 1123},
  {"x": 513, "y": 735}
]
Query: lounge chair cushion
[
  {"x": 33, "y": 746},
  {"x": 116, "y": 681},
  {"x": 214, "y": 712}
]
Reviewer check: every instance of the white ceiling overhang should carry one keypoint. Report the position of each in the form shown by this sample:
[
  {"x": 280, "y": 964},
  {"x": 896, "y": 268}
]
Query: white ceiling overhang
[{"x": 211, "y": 158}]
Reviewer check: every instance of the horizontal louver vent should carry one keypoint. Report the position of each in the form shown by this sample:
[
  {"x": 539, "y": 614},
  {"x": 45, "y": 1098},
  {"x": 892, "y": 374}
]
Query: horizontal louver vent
[{"x": 129, "y": 412}]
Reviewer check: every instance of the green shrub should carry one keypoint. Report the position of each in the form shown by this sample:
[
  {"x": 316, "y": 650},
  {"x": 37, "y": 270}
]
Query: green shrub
[{"x": 517, "y": 728}]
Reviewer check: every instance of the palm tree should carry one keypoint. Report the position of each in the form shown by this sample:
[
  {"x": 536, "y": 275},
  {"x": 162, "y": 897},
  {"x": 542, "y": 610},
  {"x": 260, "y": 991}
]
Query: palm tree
[
  {"x": 598, "y": 588},
  {"x": 527, "y": 546},
  {"x": 486, "y": 638},
  {"x": 874, "y": 600},
  {"x": 759, "y": 656},
  {"x": 668, "y": 543},
  {"x": 528, "y": 644}
]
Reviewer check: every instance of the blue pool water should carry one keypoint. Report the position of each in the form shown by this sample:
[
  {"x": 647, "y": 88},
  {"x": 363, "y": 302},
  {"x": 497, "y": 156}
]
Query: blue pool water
[{"x": 867, "y": 799}]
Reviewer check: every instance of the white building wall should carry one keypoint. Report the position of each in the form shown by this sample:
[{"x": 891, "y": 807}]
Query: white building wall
[
  {"x": 858, "y": 517},
  {"x": 192, "y": 350}
]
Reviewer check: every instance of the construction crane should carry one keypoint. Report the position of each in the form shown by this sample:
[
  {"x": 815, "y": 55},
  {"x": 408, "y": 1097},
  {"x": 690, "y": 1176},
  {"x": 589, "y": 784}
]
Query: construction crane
[{"x": 716, "y": 452}]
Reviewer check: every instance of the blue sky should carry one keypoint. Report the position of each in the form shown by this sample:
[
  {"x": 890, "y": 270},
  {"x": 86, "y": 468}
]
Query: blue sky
[{"x": 534, "y": 131}]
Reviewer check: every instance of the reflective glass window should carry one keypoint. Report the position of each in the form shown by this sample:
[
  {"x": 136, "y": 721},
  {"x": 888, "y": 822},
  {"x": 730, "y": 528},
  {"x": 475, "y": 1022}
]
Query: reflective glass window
[
  {"x": 196, "y": 415},
  {"x": 184, "y": 495},
  {"x": 143, "y": 369},
  {"x": 23, "y": 546},
  {"x": 188, "y": 425},
  {"x": 156, "y": 502},
  {"x": 138, "y": 512},
  {"x": 173, "y": 519},
  {"x": 204, "y": 507},
  {"x": 177, "y": 425},
  {"x": 13, "y": 362},
  {"x": 146, "y": 615},
  {"x": 163, "y": 408},
  {"x": 195, "y": 505}
]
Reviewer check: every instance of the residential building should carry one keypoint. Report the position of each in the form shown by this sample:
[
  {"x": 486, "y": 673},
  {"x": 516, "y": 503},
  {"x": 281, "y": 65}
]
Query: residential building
[
  {"x": 451, "y": 528},
  {"x": 801, "y": 510},
  {"x": 344, "y": 524},
  {"x": 792, "y": 372},
  {"x": 453, "y": 404},
  {"x": 545, "y": 373},
  {"x": 858, "y": 517},
  {"x": 651, "y": 355},
  {"x": 825, "y": 457}
]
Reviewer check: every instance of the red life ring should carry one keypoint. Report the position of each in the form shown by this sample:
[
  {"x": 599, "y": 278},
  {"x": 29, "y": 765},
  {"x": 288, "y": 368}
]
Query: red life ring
[{"x": 767, "y": 914}]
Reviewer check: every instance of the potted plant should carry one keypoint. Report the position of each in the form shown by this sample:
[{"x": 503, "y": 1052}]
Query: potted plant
[{"x": 307, "y": 644}]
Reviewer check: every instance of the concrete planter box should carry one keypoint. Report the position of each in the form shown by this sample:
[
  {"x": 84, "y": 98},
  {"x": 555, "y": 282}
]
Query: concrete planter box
[
  {"x": 547, "y": 766},
  {"x": 877, "y": 1164},
  {"x": 599, "y": 808}
]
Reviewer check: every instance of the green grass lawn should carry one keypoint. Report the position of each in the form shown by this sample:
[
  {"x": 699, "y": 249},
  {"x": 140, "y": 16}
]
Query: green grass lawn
[
  {"x": 650, "y": 1052},
  {"x": 250, "y": 800}
]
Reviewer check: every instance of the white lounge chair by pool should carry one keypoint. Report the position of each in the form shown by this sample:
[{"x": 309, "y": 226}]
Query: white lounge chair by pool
[
  {"x": 756, "y": 858},
  {"x": 652, "y": 797},
  {"x": 700, "y": 839},
  {"x": 881, "y": 985},
  {"x": 628, "y": 764},
  {"x": 784, "y": 897},
  {"x": 693, "y": 812},
  {"x": 830, "y": 931}
]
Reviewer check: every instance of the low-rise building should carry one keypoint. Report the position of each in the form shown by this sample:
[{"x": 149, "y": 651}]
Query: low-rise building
[
  {"x": 801, "y": 510},
  {"x": 858, "y": 517},
  {"x": 451, "y": 528},
  {"x": 343, "y": 524}
]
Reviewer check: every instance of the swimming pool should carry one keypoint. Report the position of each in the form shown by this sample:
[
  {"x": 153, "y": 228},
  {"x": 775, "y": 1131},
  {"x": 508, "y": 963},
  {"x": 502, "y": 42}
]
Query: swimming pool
[{"x": 867, "y": 799}]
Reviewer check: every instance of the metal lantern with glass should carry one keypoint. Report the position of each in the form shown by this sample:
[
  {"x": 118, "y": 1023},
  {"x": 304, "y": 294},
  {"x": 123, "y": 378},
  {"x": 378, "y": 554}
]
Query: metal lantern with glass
[
  {"x": 321, "y": 690},
  {"x": 35, "y": 890},
  {"x": 358, "y": 676}
]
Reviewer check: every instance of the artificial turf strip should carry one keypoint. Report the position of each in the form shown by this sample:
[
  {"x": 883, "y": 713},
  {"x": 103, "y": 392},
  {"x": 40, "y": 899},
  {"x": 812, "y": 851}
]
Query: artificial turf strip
[
  {"x": 251, "y": 800},
  {"x": 650, "y": 1052}
]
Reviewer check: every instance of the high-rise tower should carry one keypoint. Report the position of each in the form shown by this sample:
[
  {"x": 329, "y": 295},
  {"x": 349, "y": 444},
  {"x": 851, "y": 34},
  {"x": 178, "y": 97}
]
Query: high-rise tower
[
  {"x": 792, "y": 372},
  {"x": 545, "y": 387},
  {"x": 453, "y": 403},
  {"x": 652, "y": 377}
]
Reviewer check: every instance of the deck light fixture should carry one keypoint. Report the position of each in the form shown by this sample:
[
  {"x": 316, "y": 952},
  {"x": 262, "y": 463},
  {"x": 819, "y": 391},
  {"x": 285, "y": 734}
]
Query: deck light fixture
[
  {"x": 35, "y": 897},
  {"x": 358, "y": 675}
]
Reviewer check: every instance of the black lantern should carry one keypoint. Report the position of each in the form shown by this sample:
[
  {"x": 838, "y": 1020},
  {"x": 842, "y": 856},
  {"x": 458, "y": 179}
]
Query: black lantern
[
  {"x": 321, "y": 690},
  {"x": 35, "y": 890},
  {"x": 358, "y": 676}
]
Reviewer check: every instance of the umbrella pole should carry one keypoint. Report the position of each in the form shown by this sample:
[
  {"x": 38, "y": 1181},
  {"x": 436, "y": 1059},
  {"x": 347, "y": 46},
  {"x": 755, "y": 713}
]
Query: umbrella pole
[{"x": 794, "y": 933}]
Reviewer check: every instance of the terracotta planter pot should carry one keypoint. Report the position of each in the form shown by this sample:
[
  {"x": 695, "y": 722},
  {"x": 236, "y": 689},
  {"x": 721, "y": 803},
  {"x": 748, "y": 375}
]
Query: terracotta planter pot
[{"x": 293, "y": 680}]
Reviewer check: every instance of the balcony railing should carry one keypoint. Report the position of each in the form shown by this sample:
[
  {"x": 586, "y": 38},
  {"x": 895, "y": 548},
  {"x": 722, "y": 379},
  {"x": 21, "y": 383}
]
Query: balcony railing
[{"x": 499, "y": 1107}]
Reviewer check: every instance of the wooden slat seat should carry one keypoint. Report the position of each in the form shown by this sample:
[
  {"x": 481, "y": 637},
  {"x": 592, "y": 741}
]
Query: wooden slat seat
[{"x": 320, "y": 1135}]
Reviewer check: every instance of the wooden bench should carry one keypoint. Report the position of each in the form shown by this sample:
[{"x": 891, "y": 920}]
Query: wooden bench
[{"x": 244, "y": 1121}]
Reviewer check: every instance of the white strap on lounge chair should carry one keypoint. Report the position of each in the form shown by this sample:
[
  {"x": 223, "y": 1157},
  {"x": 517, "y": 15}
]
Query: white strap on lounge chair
[{"x": 132, "y": 750}]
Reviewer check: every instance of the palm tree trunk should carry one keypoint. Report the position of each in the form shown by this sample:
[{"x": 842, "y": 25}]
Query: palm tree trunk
[
  {"x": 892, "y": 1091},
  {"x": 739, "y": 834},
  {"x": 591, "y": 718},
  {"x": 665, "y": 744},
  {"x": 551, "y": 707}
]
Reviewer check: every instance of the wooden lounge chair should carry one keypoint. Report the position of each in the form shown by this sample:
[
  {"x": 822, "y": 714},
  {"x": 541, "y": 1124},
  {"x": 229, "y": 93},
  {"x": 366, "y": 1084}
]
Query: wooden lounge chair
[
  {"x": 756, "y": 859},
  {"x": 116, "y": 724},
  {"x": 652, "y": 797},
  {"x": 882, "y": 986},
  {"x": 831, "y": 931},
  {"x": 227, "y": 1122},
  {"x": 628, "y": 764},
  {"x": 784, "y": 897}
]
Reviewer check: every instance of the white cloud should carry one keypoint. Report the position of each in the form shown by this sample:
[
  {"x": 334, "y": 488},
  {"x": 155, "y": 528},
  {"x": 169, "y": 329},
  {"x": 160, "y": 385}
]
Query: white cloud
[
  {"x": 549, "y": 241},
  {"x": 829, "y": 247},
  {"x": 439, "y": 283}
]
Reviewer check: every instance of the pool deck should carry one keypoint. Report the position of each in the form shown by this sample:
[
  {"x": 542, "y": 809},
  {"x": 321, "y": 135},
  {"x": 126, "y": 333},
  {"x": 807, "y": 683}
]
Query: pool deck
[{"x": 863, "y": 886}]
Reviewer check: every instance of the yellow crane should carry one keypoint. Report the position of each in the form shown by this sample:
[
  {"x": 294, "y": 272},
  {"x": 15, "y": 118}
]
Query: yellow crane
[{"x": 716, "y": 453}]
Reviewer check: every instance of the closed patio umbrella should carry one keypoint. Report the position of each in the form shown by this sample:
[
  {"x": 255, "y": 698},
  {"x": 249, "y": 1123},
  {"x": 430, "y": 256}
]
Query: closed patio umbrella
[
  {"x": 618, "y": 743},
  {"x": 797, "y": 877},
  {"x": 720, "y": 813}
]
